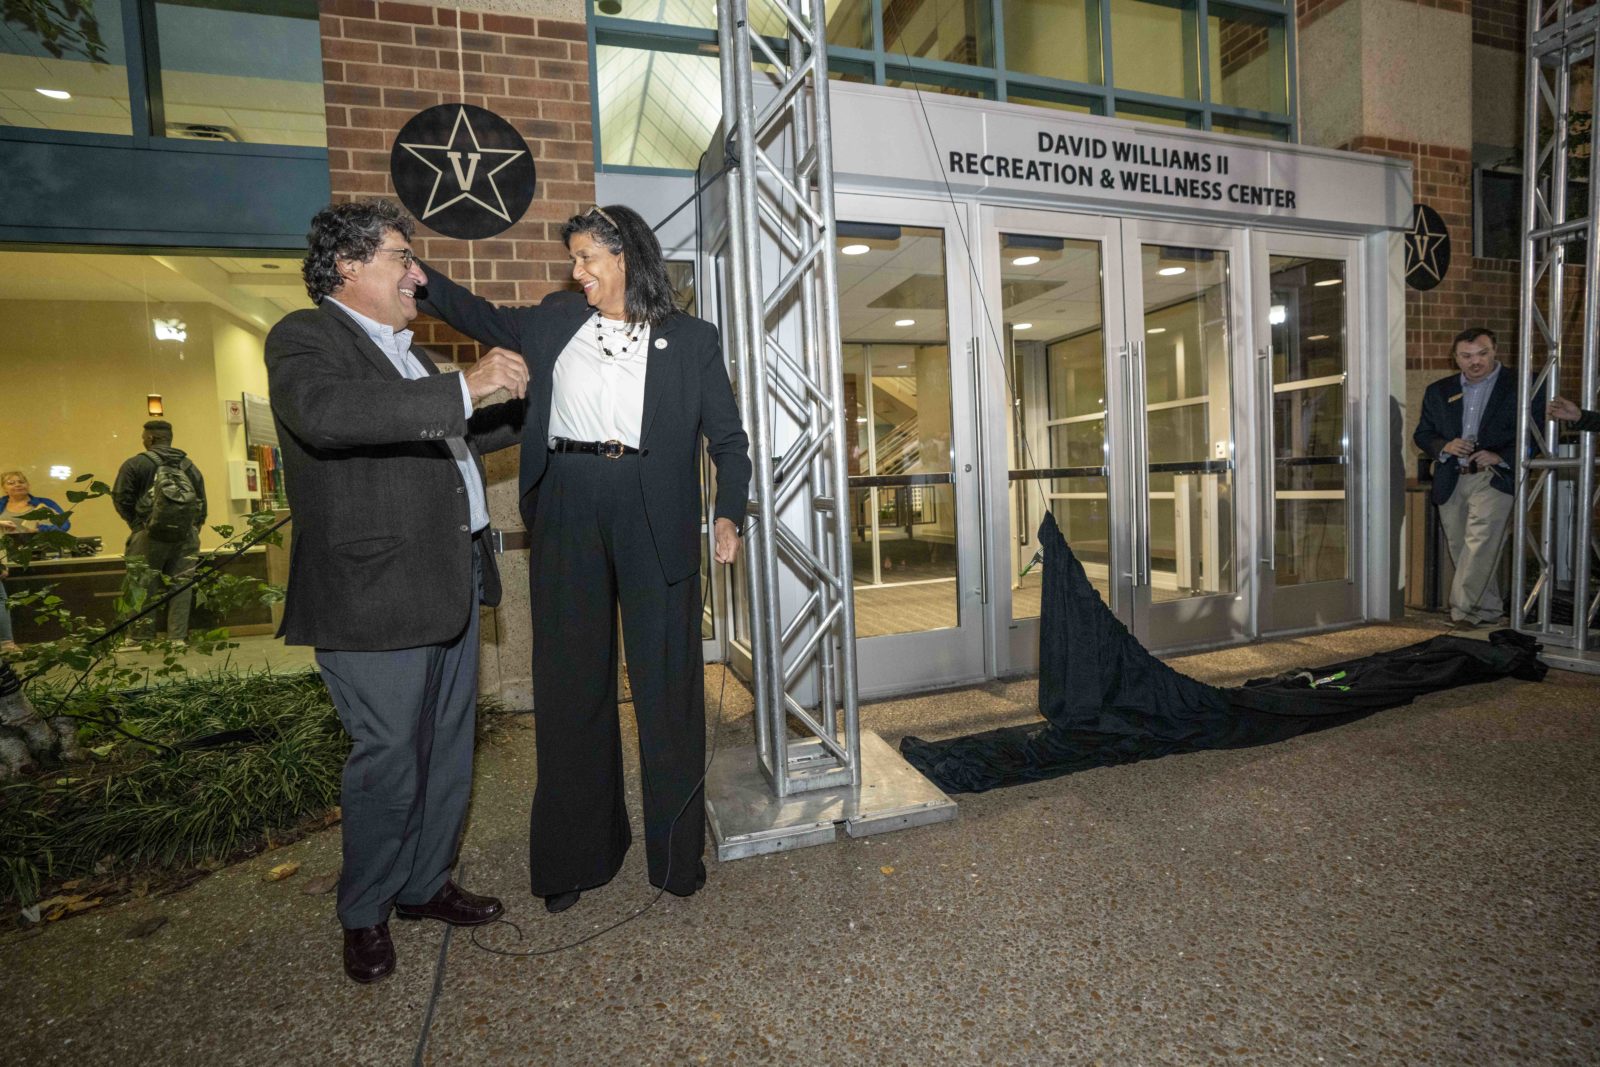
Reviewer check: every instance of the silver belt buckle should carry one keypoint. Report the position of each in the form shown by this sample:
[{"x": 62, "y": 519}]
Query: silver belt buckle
[{"x": 611, "y": 449}]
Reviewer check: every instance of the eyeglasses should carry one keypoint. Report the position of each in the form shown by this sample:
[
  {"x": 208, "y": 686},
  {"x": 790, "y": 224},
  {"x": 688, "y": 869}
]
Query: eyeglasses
[
  {"x": 596, "y": 209},
  {"x": 407, "y": 257}
]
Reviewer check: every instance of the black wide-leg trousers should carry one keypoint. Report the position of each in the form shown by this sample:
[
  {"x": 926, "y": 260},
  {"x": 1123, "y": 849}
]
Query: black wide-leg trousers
[{"x": 592, "y": 552}]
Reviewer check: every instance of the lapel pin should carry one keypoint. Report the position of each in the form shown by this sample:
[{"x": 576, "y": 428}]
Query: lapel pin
[{"x": 661, "y": 342}]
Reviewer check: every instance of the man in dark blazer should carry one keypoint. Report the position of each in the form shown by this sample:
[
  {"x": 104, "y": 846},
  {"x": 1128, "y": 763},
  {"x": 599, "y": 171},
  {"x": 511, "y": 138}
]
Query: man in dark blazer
[
  {"x": 389, "y": 563},
  {"x": 1469, "y": 427}
]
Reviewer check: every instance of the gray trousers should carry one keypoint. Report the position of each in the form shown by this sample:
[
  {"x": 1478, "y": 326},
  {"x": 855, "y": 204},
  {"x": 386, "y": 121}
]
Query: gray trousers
[
  {"x": 1474, "y": 521},
  {"x": 411, "y": 715},
  {"x": 176, "y": 560}
]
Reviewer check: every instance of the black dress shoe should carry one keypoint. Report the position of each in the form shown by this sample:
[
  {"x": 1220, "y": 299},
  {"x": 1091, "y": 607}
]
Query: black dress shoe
[
  {"x": 558, "y": 902},
  {"x": 699, "y": 883},
  {"x": 368, "y": 953},
  {"x": 453, "y": 905}
]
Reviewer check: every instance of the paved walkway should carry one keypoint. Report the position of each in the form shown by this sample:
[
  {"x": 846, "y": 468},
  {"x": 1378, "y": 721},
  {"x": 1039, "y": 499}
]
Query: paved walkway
[{"x": 1417, "y": 887}]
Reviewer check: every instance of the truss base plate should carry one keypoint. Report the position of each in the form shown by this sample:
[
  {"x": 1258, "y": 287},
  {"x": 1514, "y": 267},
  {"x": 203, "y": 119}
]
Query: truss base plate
[
  {"x": 1566, "y": 659},
  {"x": 748, "y": 820}
]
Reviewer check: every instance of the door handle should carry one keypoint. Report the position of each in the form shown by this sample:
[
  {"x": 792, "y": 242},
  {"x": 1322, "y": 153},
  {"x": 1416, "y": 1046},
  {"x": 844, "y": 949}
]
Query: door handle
[
  {"x": 1131, "y": 441},
  {"x": 980, "y": 432},
  {"x": 1269, "y": 476},
  {"x": 1142, "y": 442}
]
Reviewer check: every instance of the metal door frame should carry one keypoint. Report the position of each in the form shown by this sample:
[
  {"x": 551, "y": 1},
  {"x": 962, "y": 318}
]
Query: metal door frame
[
  {"x": 929, "y": 659},
  {"x": 1314, "y": 606}
]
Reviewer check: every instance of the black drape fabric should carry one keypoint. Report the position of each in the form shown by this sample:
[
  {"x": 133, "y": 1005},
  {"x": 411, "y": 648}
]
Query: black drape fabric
[{"x": 1106, "y": 700}]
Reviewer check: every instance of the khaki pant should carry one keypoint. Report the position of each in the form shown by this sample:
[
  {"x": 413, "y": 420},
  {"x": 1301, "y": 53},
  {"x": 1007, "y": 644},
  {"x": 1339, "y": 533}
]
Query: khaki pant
[
  {"x": 176, "y": 560},
  {"x": 1474, "y": 520}
]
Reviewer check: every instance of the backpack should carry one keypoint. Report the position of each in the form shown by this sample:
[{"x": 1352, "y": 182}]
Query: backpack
[{"x": 171, "y": 504}]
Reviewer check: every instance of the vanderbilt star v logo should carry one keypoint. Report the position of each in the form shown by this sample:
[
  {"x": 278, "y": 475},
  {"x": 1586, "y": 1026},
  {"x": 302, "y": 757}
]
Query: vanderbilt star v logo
[
  {"x": 1427, "y": 249},
  {"x": 462, "y": 171}
]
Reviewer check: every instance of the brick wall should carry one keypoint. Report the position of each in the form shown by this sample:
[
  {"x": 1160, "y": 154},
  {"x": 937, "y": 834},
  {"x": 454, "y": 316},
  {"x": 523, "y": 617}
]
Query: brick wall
[
  {"x": 384, "y": 62},
  {"x": 1500, "y": 24},
  {"x": 1240, "y": 43}
]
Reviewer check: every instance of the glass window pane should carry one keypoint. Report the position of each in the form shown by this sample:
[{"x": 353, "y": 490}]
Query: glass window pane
[
  {"x": 1051, "y": 307},
  {"x": 955, "y": 32},
  {"x": 181, "y": 333},
  {"x": 1249, "y": 64},
  {"x": 1160, "y": 116},
  {"x": 1310, "y": 449},
  {"x": 1054, "y": 38},
  {"x": 849, "y": 21},
  {"x": 84, "y": 88},
  {"x": 657, "y": 109},
  {"x": 897, "y": 399},
  {"x": 232, "y": 73},
  {"x": 1266, "y": 131},
  {"x": 1188, "y": 421},
  {"x": 929, "y": 82},
  {"x": 1155, "y": 47},
  {"x": 1045, "y": 98}
]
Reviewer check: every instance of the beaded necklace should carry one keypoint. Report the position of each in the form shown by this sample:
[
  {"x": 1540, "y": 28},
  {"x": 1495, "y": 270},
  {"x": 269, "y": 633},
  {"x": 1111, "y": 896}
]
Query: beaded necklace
[{"x": 633, "y": 333}]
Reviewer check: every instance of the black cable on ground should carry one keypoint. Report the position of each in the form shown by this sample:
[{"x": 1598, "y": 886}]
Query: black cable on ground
[{"x": 438, "y": 988}]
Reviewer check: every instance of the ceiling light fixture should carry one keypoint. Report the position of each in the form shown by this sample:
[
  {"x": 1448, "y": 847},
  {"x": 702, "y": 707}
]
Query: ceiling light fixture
[
  {"x": 1024, "y": 261},
  {"x": 170, "y": 329},
  {"x": 153, "y": 405},
  {"x": 60, "y": 472},
  {"x": 1156, "y": 330},
  {"x": 1023, "y": 326},
  {"x": 1172, "y": 272},
  {"x": 1317, "y": 337},
  {"x": 856, "y": 250},
  {"x": 54, "y": 94},
  {"x": 1324, "y": 283},
  {"x": 1277, "y": 314},
  {"x": 905, "y": 322},
  {"x": 901, "y": 366}
]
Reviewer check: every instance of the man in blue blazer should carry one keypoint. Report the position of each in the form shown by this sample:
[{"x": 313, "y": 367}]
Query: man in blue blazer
[{"x": 1469, "y": 427}]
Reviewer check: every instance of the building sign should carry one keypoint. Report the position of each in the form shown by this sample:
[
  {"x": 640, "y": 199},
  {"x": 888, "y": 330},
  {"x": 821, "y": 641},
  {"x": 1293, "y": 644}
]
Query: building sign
[
  {"x": 1427, "y": 249},
  {"x": 1124, "y": 164},
  {"x": 462, "y": 171},
  {"x": 945, "y": 146}
]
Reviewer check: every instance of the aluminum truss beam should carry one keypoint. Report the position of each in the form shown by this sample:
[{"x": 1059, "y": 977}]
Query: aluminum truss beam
[
  {"x": 1553, "y": 581},
  {"x": 810, "y": 769}
]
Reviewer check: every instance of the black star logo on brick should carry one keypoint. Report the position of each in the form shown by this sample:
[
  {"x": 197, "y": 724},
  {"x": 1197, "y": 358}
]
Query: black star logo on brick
[
  {"x": 463, "y": 171},
  {"x": 1427, "y": 249}
]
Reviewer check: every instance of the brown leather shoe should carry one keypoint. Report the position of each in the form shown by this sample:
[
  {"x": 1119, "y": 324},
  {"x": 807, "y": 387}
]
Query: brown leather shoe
[
  {"x": 453, "y": 905},
  {"x": 368, "y": 953}
]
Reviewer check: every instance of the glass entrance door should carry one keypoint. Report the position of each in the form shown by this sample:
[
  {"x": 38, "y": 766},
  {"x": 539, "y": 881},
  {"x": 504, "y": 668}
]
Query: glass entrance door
[
  {"x": 1183, "y": 298},
  {"x": 909, "y": 417},
  {"x": 1112, "y": 347},
  {"x": 1307, "y": 312}
]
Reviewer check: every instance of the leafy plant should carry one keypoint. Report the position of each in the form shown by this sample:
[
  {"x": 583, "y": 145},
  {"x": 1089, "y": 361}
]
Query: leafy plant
[{"x": 62, "y": 26}]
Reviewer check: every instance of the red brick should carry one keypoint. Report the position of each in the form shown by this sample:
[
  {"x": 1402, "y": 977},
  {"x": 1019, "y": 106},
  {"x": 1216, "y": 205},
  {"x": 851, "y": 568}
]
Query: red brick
[
  {"x": 534, "y": 46},
  {"x": 561, "y": 70},
  {"x": 361, "y": 9},
  {"x": 572, "y": 31},
  {"x": 388, "y": 32},
  {"x": 509, "y": 24},
  {"x": 376, "y": 74},
  {"x": 410, "y": 99},
  {"x": 516, "y": 66},
  {"x": 352, "y": 94},
  {"x": 339, "y": 48},
  {"x": 400, "y": 55},
  {"x": 481, "y": 42},
  {"x": 412, "y": 13}
]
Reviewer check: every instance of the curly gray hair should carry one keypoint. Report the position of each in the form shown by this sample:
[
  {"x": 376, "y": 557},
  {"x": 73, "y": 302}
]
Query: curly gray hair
[{"x": 348, "y": 231}]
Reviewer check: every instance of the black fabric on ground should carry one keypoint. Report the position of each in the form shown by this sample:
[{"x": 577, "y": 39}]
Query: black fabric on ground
[{"x": 1106, "y": 700}]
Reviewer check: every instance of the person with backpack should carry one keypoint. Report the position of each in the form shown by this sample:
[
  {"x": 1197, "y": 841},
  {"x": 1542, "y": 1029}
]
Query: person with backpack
[{"x": 161, "y": 496}]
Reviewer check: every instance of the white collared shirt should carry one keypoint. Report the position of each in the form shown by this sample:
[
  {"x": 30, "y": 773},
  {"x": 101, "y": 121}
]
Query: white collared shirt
[
  {"x": 397, "y": 346},
  {"x": 596, "y": 397}
]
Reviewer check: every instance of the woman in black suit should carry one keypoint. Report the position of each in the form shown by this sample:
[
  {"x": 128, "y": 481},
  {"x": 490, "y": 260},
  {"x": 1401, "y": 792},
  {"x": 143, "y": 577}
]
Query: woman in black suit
[{"x": 621, "y": 387}]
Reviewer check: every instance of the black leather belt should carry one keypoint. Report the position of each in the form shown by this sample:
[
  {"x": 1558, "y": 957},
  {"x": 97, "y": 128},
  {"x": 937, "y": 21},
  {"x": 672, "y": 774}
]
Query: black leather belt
[{"x": 608, "y": 449}]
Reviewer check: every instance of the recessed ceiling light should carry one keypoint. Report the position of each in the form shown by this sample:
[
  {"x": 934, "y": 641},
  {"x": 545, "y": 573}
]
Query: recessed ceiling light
[
  {"x": 1023, "y": 326},
  {"x": 54, "y": 94},
  {"x": 901, "y": 366},
  {"x": 60, "y": 472},
  {"x": 1171, "y": 272},
  {"x": 861, "y": 418},
  {"x": 1329, "y": 281},
  {"x": 1024, "y": 261},
  {"x": 1156, "y": 330},
  {"x": 1317, "y": 337},
  {"x": 856, "y": 250},
  {"x": 905, "y": 322}
]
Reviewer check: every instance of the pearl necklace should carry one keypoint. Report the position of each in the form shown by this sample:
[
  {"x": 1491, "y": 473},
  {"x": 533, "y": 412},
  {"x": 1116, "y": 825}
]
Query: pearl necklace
[{"x": 630, "y": 338}]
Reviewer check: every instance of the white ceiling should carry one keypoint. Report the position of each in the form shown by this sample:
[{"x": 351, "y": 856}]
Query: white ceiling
[{"x": 256, "y": 290}]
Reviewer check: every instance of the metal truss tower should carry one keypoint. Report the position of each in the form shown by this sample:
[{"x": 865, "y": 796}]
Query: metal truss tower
[
  {"x": 1554, "y": 591},
  {"x": 812, "y": 769}
]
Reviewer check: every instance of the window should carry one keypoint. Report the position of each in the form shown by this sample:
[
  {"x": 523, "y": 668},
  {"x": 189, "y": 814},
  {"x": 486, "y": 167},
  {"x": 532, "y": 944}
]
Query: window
[
  {"x": 207, "y": 70},
  {"x": 1199, "y": 64}
]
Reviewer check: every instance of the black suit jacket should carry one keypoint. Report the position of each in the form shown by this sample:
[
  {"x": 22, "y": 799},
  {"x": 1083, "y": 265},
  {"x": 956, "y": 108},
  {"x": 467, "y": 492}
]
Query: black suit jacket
[
  {"x": 1497, "y": 429},
  {"x": 382, "y": 550},
  {"x": 686, "y": 393}
]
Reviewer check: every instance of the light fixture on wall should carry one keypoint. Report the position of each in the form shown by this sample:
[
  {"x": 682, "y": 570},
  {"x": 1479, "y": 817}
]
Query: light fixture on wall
[
  {"x": 54, "y": 94},
  {"x": 152, "y": 404},
  {"x": 170, "y": 329},
  {"x": 1277, "y": 314},
  {"x": 609, "y": 7}
]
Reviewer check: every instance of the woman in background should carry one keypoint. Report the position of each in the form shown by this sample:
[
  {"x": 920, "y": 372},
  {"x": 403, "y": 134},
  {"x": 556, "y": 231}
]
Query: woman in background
[{"x": 20, "y": 501}]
